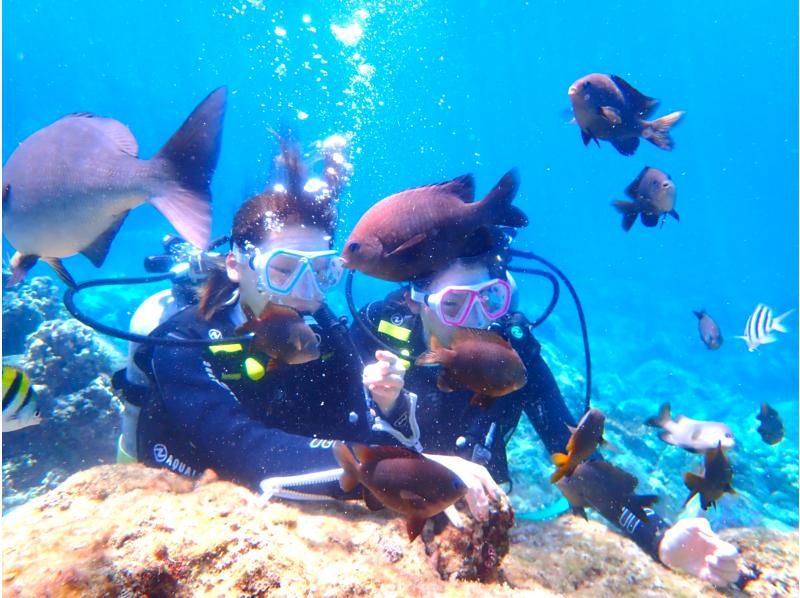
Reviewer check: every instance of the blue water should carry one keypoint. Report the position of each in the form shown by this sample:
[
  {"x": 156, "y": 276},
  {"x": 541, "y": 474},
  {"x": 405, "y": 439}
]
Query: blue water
[{"x": 435, "y": 89}]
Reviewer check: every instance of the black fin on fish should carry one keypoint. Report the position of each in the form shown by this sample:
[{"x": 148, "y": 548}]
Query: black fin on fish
[
  {"x": 497, "y": 206},
  {"x": 664, "y": 415},
  {"x": 699, "y": 314},
  {"x": 59, "y": 269},
  {"x": 627, "y": 221},
  {"x": 97, "y": 250},
  {"x": 650, "y": 220},
  {"x": 636, "y": 504},
  {"x": 372, "y": 502},
  {"x": 675, "y": 215},
  {"x": 626, "y": 147},
  {"x": 586, "y": 137},
  {"x": 481, "y": 400},
  {"x": 632, "y": 190},
  {"x": 414, "y": 527},
  {"x": 643, "y": 104},
  {"x": 462, "y": 187},
  {"x": 629, "y": 212},
  {"x": 191, "y": 155},
  {"x": 580, "y": 511}
]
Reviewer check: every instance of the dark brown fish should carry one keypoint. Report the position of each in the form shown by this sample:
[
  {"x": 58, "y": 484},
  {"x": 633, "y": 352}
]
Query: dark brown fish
[
  {"x": 715, "y": 481},
  {"x": 653, "y": 195},
  {"x": 478, "y": 360},
  {"x": 771, "y": 427},
  {"x": 401, "y": 480},
  {"x": 419, "y": 231},
  {"x": 600, "y": 485},
  {"x": 608, "y": 107},
  {"x": 281, "y": 333},
  {"x": 68, "y": 187},
  {"x": 583, "y": 442},
  {"x": 710, "y": 333}
]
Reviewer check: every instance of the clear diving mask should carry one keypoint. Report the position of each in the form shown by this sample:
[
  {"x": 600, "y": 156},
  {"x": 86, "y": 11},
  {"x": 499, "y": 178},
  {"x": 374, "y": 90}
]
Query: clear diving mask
[{"x": 306, "y": 275}]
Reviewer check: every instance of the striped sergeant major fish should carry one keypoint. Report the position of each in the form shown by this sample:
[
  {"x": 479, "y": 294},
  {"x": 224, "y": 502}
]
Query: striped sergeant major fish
[
  {"x": 20, "y": 404},
  {"x": 760, "y": 326}
]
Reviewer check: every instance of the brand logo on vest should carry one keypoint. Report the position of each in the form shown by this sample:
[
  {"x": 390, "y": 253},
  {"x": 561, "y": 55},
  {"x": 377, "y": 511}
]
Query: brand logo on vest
[
  {"x": 162, "y": 456},
  {"x": 214, "y": 334}
]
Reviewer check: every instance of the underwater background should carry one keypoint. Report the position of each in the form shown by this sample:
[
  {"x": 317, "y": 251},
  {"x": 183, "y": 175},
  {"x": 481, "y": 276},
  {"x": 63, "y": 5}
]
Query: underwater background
[{"x": 430, "y": 90}]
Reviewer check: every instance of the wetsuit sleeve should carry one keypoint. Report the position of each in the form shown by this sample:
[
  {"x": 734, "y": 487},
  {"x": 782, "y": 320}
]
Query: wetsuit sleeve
[
  {"x": 545, "y": 407},
  {"x": 207, "y": 414}
]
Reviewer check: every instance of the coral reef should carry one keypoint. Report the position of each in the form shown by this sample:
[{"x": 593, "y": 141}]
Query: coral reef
[
  {"x": 130, "y": 530},
  {"x": 25, "y": 307}
]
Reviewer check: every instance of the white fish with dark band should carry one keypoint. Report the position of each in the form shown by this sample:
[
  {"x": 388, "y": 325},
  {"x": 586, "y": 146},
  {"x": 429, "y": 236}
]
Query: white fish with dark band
[
  {"x": 760, "y": 326},
  {"x": 20, "y": 405}
]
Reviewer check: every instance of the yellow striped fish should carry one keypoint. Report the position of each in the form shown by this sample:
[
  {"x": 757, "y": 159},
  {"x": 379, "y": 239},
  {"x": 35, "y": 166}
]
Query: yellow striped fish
[{"x": 20, "y": 404}]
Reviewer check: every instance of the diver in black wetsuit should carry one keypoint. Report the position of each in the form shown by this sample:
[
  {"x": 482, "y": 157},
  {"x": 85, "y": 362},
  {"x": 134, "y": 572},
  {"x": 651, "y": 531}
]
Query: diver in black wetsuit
[{"x": 478, "y": 293}]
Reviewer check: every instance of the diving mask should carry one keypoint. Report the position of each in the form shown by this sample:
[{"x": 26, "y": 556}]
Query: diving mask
[
  {"x": 307, "y": 275},
  {"x": 454, "y": 305}
]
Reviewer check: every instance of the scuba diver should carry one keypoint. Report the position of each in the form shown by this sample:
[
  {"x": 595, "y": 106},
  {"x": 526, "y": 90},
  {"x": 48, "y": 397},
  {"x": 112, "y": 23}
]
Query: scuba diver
[
  {"x": 198, "y": 395},
  {"x": 479, "y": 292}
]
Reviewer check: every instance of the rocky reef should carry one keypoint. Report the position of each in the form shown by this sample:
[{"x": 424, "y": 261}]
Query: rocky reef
[
  {"x": 70, "y": 367},
  {"x": 127, "y": 530}
]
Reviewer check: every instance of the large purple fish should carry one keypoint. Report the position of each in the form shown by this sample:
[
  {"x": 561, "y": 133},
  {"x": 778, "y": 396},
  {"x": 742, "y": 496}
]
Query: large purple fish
[
  {"x": 68, "y": 187},
  {"x": 608, "y": 107}
]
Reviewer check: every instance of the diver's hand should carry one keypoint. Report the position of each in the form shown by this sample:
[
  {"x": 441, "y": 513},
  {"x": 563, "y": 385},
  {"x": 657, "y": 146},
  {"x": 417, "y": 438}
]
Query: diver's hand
[
  {"x": 691, "y": 546},
  {"x": 480, "y": 485},
  {"x": 384, "y": 379}
]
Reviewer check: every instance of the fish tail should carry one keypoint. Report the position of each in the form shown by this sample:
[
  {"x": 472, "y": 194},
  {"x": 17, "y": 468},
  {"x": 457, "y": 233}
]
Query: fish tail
[
  {"x": 349, "y": 479},
  {"x": 776, "y": 322},
  {"x": 664, "y": 416},
  {"x": 657, "y": 131},
  {"x": 190, "y": 157},
  {"x": 497, "y": 203}
]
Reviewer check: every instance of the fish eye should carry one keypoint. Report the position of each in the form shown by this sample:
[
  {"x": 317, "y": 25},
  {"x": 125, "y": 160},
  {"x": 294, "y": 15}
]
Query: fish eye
[
  {"x": 728, "y": 435},
  {"x": 665, "y": 184},
  {"x": 588, "y": 83},
  {"x": 354, "y": 246}
]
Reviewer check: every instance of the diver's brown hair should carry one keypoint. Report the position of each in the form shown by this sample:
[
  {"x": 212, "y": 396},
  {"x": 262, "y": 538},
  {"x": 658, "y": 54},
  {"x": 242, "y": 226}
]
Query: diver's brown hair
[{"x": 268, "y": 212}]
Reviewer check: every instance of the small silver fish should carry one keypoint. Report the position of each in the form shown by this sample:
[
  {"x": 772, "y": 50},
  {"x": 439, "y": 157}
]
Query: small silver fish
[
  {"x": 653, "y": 194},
  {"x": 69, "y": 186},
  {"x": 760, "y": 326},
  {"x": 709, "y": 331},
  {"x": 691, "y": 434},
  {"x": 20, "y": 404}
]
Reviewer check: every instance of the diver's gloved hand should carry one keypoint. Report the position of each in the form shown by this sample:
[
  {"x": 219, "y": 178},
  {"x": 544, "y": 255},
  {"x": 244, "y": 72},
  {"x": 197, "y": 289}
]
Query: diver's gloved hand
[
  {"x": 384, "y": 379},
  {"x": 479, "y": 482},
  {"x": 691, "y": 546}
]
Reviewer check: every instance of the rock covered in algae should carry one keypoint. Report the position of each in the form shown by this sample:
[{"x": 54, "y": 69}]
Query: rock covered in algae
[{"x": 133, "y": 531}]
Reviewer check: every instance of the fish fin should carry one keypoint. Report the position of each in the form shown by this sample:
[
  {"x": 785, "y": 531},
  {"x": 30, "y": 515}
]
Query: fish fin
[
  {"x": 695, "y": 484},
  {"x": 586, "y": 137},
  {"x": 777, "y": 325},
  {"x": 626, "y": 147},
  {"x": 428, "y": 358},
  {"x": 611, "y": 114},
  {"x": 699, "y": 314},
  {"x": 349, "y": 477},
  {"x": 414, "y": 527},
  {"x": 497, "y": 206},
  {"x": 664, "y": 416},
  {"x": 650, "y": 220},
  {"x": 409, "y": 244},
  {"x": 114, "y": 130},
  {"x": 372, "y": 501},
  {"x": 675, "y": 215},
  {"x": 97, "y": 250},
  {"x": 59, "y": 269},
  {"x": 20, "y": 264},
  {"x": 580, "y": 511},
  {"x": 481, "y": 400},
  {"x": 643, "y": 104},
  {"x": 444, "y": 382},
  {"x": 730, "y": 489},
  {"x": 462, "y": 187},
  {"x": 191, "y": 155},
  {"x": 629, "y": 212},
  {"x": 632, "y": 190},
  {"x": 657, "y": 131}
]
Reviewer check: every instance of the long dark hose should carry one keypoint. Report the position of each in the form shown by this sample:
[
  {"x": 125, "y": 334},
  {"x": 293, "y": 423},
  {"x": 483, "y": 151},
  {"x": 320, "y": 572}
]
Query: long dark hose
[
  {"x": 69, "y": 303},
  {"x": 532, "y": 256}
]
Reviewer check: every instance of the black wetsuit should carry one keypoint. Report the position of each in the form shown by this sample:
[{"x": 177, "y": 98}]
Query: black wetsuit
[
  {"x": 449, "y": 425},
  {"x": 224, "y": 408}
]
